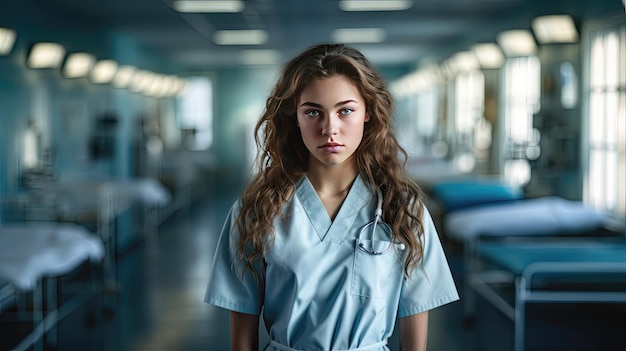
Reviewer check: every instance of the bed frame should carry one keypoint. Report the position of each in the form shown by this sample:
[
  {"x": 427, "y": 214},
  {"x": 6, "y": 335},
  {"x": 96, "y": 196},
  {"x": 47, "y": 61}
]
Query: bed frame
[{"x": 548, "y": 270}]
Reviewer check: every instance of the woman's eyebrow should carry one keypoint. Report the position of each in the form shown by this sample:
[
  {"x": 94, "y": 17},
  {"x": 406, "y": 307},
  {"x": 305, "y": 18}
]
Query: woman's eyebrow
[
  {"x": 340, "y": 103},
  {"x": 312, "y": 104}
]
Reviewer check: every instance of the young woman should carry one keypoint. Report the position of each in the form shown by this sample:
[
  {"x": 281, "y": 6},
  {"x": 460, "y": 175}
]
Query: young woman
[{"x": 307, "y": 244}]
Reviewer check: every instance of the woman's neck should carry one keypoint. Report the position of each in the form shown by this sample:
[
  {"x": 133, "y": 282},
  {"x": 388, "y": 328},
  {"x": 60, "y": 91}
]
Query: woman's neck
[
  {"x": 332, "y": 180},
  {"x": 332, "y": 185}
]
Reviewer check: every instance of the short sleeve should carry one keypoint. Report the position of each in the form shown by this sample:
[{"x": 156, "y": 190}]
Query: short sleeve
[
  {"x": 431, "y": 285},
  {"x": 227, "y": 287}
]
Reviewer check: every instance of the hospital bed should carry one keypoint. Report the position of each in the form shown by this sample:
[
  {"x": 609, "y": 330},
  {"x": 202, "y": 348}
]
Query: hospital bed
[
  {"x": 549, "y": 270},
  {"x": 73, "y": 199},
  {"x": 94, "y": 203},
  {"x": 78, "y": 198},
  {"x": 33, "y": 255},
  {"x": 549, "y": 216},
  {"x": 475, "y": 210},
  {"x": 445, "y": 195},
  {"x": 518, "y": 251}
]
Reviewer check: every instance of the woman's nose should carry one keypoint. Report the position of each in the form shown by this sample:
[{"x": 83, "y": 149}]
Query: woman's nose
[{"x": 329, "y": 126}]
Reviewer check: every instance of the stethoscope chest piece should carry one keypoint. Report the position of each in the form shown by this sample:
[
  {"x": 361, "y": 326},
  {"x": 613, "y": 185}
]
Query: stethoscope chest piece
[
  {"x": 380, "y": 229},
  {"x": 376, "y": 229}
]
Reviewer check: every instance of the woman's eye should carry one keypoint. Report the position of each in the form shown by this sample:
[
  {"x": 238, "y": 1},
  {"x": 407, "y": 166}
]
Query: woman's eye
[
  {"x": 346, "y": 111},
  {"x": 312, "y": 113}
]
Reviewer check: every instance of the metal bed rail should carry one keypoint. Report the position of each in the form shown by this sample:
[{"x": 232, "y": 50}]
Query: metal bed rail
[
  {"x": 34, "y": 256},
  {"x": 484, "y": 282}
]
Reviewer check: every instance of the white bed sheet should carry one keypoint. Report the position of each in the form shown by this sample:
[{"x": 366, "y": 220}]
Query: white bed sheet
[
  {"x": 30, "y": 251},
  {"x": 547, "y": 215},
  {"x": 88, "y": 193},
  {"x": 147, "y": 190}
]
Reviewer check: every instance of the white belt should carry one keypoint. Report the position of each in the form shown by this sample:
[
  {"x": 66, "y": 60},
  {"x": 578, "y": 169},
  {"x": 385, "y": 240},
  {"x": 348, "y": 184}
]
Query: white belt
[{"x": 362, "y": 348}]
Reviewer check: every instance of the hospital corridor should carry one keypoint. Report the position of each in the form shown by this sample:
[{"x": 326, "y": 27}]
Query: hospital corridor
[
  {"x": 159, "y": 304},
  {"x": 127, "y": 134}
]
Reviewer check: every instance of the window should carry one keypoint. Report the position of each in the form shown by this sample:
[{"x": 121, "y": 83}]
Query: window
[
  {"x": 521, "y": 102},
  {"x": 605, "y": 176},
  {"x": 427, "y": 111},
  {"x": 195, "y": 113},
  {"x": 469, "y": 101},
  {"x": 422, "y": 123},
  {"x": 418, "y": 96}
]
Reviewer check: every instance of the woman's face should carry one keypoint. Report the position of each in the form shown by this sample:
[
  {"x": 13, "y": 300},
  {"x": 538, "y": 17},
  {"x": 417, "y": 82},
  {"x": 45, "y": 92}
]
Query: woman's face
[{"x": 331, "y": 116}]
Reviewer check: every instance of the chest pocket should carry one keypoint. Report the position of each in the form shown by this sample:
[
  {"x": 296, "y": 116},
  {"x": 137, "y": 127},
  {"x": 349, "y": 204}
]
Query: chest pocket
[{"x": 371, "y": 274}]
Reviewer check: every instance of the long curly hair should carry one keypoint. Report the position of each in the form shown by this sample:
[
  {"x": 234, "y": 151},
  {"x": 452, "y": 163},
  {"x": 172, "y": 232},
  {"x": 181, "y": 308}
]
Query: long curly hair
[{"x": 283, "y": 158}]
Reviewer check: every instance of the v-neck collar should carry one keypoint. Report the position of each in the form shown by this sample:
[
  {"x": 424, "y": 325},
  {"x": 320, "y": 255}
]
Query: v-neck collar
[{"x": 327, "y": 229}]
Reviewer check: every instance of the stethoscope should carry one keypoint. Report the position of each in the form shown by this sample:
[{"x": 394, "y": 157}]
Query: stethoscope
[{"x": 378, "y": 222}]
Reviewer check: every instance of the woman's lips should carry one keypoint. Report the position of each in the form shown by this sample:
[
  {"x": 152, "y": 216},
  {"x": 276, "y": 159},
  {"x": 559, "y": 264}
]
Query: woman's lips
[{"x": 331, "y": 147}]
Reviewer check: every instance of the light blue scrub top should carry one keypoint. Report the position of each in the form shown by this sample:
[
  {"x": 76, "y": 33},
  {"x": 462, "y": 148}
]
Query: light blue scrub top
[{"x": 318, "y": 290}]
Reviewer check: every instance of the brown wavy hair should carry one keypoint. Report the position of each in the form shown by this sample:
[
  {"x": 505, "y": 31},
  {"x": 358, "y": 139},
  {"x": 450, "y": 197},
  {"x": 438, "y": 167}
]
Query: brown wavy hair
[{"x": 283, "y": 157}]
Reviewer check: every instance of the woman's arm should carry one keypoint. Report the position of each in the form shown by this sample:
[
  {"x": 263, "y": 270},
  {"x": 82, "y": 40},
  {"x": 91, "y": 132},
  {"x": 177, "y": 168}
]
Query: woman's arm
[
  {"x": 244, "y": 332},
  {"x": 414, "y": 332}
]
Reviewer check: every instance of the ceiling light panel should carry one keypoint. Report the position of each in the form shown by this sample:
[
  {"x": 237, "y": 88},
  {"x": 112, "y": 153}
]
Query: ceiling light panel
[
  {"x": 7, "y": 40},
  {"x": 124, "y": 76},
  {"x": 240, "y": 37},
  {"x": 156, "y": 87},
  {"x": 358, "y": 35},
  {"x": 260, "y": 57},
  {"x": 489, "y": 55},
  {"x": 517, "y": 42},
  {"x": 169, "y": 85},
  {"x": 466, "y": 61},
  {"x": 141, "y": 81},
  {"x": 46, "y": 55},
  {"x": 103, "y": 71},
  {"x": 555, "y": 29},
  {"x": 77, "y": 65},
  {"x": 375, "y": 5},
  {"x": 199, "y": 6}
]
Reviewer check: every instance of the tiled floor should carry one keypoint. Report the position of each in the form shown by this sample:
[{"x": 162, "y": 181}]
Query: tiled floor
[{"x": 159, "y": 304}]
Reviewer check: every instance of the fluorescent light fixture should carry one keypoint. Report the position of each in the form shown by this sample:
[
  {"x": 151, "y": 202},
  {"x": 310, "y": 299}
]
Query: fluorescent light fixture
[
  {"x": 180, "y": 86},
  {"x": 555, "y": 29},
  {"x": 260, "y": 57},
  {"x": 46, "y": 55},
  {"x": 169, "y": 85},
  {"x": 425, "y": 78},
  {"x": 103, "y": 72},
  {"x": 375, "y": 5},
  {"x": 123, "y": 76},
  {"x": 7, "y": 39},
  {"x": 516, "y": 42},
  {"x": 156, "y": 86},
  {"x": 358, "y": 35},
  {"x": 164, "y": 86},
  {"x": 489, "y": 55},
  {"x": 141, "y": 81},
  {"x": 200, "y": 6},
  {"x": 77, "y": 65},
  {"x": 240, "y": 37},
  {"x": 466, "y": 61}
]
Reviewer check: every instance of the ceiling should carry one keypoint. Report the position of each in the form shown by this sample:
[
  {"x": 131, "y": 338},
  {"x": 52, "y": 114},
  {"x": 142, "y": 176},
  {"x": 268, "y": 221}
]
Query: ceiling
[{"x": 430, "y": 30}]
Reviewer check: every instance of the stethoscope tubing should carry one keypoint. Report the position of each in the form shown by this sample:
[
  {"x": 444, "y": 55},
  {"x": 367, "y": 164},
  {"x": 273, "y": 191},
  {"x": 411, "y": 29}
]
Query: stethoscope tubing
[{"x": 377, "y": 218}]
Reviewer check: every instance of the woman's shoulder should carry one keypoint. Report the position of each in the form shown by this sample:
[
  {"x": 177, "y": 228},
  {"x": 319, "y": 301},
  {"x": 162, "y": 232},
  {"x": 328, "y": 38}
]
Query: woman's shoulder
[{"x": 235, "y": 207}]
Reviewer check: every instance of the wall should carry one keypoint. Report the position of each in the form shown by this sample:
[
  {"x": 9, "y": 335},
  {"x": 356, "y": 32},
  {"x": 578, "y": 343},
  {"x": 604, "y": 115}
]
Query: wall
[
  {"x": 239, "y": 101},
  {"x": 66, "y": 111}
]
